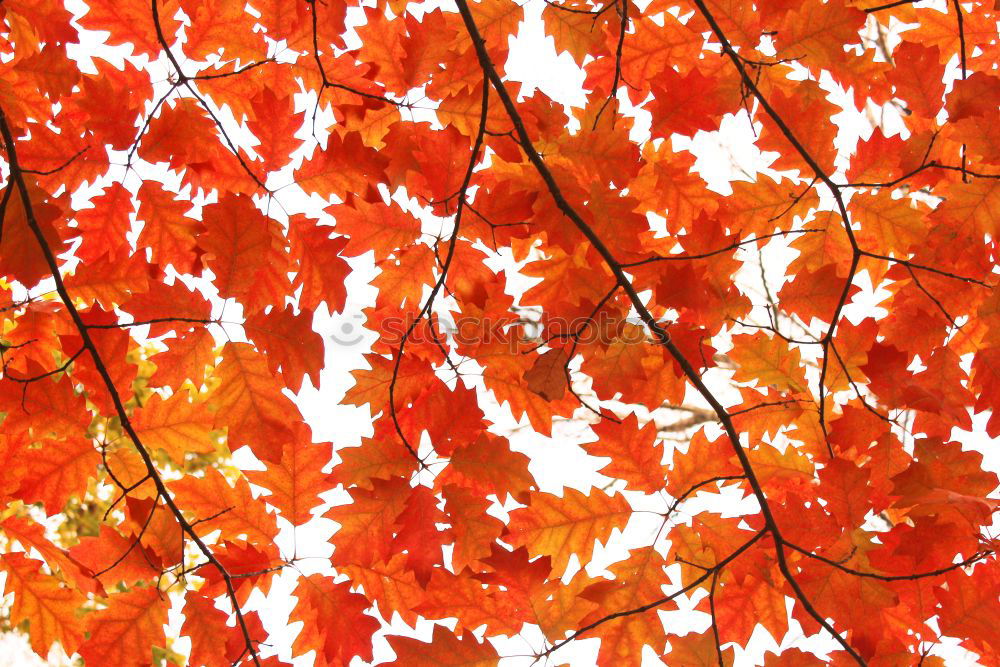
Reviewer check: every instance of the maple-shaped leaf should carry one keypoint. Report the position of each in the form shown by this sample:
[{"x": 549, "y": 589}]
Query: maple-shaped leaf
[
  {"x": 296, "y": 482},
  {"x": 548, "y": 376},
  {"x": 639, "y": 580},
  {"x": 176, "y": 424},
  {"x": 381, "y": 457},
  {"x": 243, "y": 250},
  {"x": 345, "y": 165},
  {"x": 52, "y": 71},
  {"x": 778, "y": 471},
  {"x": 275, "y": 126},
  {"x": 320, "y": 270},
  {"x": 504, "y": 376},
  {"x": 60, "y": 469},
  {"x": 816, "y": 33},
  {"x": 374, "y": 226},
  {"x": 469, "y": 600},
  {"x": 49, "y": 608},
  {"x": 189, "y": 357},
  {"x": 103, "y": 227},
  {"x": 946, "y": 481},
  {"x": 391, "y": 585},
  {"x": 403, "y": 276},
  {"x": 110, "y": 281},
  {"x": 444, "y": 649},
  {"x": 563, "y": 526},
  {"x": 561, "y": 607},
  {"x": 418, "y": 535},
  {"x": 125, "y": 632},
  {"x": 133, "y": 25},
  {"x": 709, "y": 539},
  {"x": 128, "y": 87},
  {"x": 167, "y": 231},
  {"x": 688, "y": 103},
  {"x": 697, "y": 649},
  {"x": 635, "y": 455},
  {"x": 703, "y": 460},
  {"x": 372, "y": 385},
  {"x": 769, "y": 361},
  {"x": 336, "y": 626},
  {"x": 367, "y": 524},
  {"x": 575, "y": 31},
  {"x": 205, "y": 624},
  {"x": 976, "y": 204},
  {"x": 488, "y": 465},
  {"x": 248, "y": 404},
  {"x": 288, "y": 342},
  {"x": 856, "y": 601},
  {"x": 175, "y": 134},
  {"x": 250, "y": 569},
  {"x": 913, "y": 79},
  {"x": 221, "y": 25},
  {"x": 218, "y": 505},
  {"x": 474, "y": 530},
  {"x": 742, "y": 605},
  {"x": 22, "y": 258},
  {"x": 115, "y": 557},
  {"x": 815, "y": 294},
  {"x": 967, "y": 606}
]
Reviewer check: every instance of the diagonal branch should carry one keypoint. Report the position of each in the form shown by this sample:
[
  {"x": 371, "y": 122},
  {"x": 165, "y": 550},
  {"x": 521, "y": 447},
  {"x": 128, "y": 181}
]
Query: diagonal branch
[
  {"x": 708, "y": 573},
  {"x": 452, "y": 242},
  {"x": 976, "y": 557},
  {"x": 655, "y": 327},
  {"x": 88, "y": 343},
  {"x": 185, "y": 80}
]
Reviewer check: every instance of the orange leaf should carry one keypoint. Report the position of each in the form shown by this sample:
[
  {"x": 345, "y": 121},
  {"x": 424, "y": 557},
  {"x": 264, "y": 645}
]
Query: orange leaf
[
  {"x": 289, "y": 342},
  {"x": 296, "y": 482},
  {"x": 125, "y": 632},
  {"x": 249, "y": 405},
  {"x": 444, "y": 649},
  {"x": 176, "y": 425},
  {"x": 218, "y": 505},
  {"x": 635, "y": 455},
  {"x": 335, "y": 625},
  {"x": 374, "y": 226},
  {"x": 50, "y": 609},
  {"x": 563, "y": 526}
]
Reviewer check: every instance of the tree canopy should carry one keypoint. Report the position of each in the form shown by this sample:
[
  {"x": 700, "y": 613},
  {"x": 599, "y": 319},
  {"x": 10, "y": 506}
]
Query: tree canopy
[{"x": 787, "y": 375}]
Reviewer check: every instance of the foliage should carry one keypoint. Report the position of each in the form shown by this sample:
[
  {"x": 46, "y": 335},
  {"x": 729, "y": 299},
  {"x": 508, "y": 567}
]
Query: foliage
[{"x": 254, "y": 155}]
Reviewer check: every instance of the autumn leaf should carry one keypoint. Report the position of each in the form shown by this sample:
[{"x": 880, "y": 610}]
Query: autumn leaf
[
  {"x": 335, "y": 626},
  {"x": 770, "y": 362},
  {"x": 561, "y": 526},
  {"x": 222, "y": 506},
  {"x": 126, "y": 631},
  {"x": 176, "y": 425},
  {"x": 49, "y": 609},
  {"x": 296, "y": 482},
  {"x": 247, "y": 403},
  {"x": 547, "y": 377},
  {"x": 444, "y": 649},
  {"x": 204, "y": 624},
  {"x": 288, "y": 342}
]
